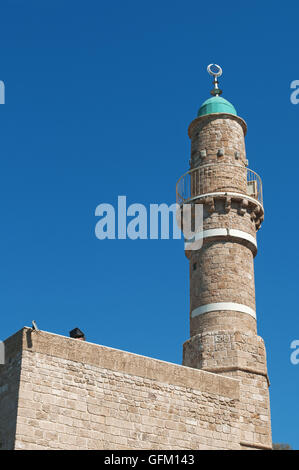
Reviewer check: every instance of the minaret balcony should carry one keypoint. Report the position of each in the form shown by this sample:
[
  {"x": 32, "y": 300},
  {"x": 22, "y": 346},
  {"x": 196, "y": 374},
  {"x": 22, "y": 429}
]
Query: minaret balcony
[{"x": 235, "y": 181}]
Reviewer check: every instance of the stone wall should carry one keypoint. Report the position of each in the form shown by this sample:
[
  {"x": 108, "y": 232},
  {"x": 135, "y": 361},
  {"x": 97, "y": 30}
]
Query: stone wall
[
  {"x": 221, "y": 271},
  {"x": 78, "y": 395},
  {"x": 214, "y": 132},
  {"x": 240, "y": 355},
  {"x": 9, "y": 387}
]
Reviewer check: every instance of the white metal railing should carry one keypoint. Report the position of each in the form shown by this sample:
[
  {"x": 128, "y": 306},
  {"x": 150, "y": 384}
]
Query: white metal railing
[
  {"x": 254, "y": 185},
  {"x": 217, "y": 178}
]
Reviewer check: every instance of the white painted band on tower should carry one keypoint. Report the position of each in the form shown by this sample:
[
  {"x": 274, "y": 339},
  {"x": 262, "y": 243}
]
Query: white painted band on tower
[
  {"x": 223, "y": 306},
  {"x": 240, "y": 234},
  {"x": 221, "y": 232}
]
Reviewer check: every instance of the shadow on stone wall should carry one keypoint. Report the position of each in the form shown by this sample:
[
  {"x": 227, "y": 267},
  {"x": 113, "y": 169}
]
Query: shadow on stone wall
[{"x": 9, "y": 391}]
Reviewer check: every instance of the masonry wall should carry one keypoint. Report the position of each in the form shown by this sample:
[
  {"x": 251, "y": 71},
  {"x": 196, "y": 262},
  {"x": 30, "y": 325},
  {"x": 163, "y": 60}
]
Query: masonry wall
[
  {"x": 241, "y": 355},
  {"x": 76, "y": 395},
  {"x": 9, "y": 387}
]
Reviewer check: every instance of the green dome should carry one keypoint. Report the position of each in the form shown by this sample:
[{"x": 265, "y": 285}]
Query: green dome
[{"x": 216, "y": 104}]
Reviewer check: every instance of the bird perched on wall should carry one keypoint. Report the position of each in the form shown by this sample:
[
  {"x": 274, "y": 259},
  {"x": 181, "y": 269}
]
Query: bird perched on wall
[{"x": 34, "y": 326}]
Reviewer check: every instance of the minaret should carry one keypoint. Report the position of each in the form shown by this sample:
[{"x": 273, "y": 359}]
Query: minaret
[{"x": 223, "y": 332}]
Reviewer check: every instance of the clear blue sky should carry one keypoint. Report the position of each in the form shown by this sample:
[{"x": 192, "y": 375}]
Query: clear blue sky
[{"x": 99, "y": 96}]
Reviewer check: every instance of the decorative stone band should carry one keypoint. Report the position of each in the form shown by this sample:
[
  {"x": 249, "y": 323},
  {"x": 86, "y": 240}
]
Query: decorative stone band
[
  {"x": 222, "y": 233},
  {"x": 256, "y": 446},
  {"x": 216, "y": 370},
  {"x": 238, "y": 196},
  {"x": 246, "y": 203},
  {"x": 218, "y": 306}
]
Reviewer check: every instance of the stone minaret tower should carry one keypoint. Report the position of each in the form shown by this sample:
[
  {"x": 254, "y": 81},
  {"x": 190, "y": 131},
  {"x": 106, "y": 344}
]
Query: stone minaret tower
[{"x": 223, "y": 332}]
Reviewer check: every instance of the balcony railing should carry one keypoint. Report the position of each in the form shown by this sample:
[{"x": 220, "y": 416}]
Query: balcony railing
[{"x": 219, "y": 178}]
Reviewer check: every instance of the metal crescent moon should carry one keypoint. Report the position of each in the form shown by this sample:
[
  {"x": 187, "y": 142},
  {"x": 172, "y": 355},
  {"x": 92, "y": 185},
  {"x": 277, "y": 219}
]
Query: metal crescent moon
[{"x": 214, "y": 74}]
